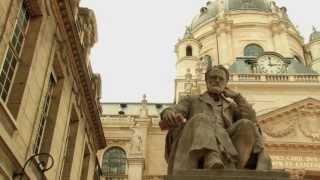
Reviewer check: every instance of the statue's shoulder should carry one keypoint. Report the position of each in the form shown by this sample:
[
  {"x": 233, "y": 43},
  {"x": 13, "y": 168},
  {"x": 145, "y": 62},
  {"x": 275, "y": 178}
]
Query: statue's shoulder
[{"x": 190, "y": 98}]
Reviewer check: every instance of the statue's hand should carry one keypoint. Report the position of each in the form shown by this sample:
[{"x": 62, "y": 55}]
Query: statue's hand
[
  {"x": 230, "y": 93},
  {"x": 171, "y": 119}
]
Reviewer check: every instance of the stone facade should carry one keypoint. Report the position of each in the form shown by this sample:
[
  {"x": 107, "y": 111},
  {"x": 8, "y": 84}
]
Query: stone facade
[
  {"x": 241, "y": 35},
  {"x": 49, "y": 95}
]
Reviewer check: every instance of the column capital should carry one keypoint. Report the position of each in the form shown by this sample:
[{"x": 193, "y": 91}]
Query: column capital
[
  {"x": 135, "y": 161},
  {"x": 222, "y": 26},
  {"x": 278, "y": 27}
]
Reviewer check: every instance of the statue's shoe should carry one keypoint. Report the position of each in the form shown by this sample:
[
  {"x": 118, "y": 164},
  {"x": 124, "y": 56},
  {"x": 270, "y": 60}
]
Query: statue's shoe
[
  {"x": 213, "y": 161},
  {"x": 217, "y": 165}
]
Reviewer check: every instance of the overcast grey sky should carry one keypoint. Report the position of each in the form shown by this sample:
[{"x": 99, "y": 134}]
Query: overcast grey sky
[{"x": 136, "y": 38}]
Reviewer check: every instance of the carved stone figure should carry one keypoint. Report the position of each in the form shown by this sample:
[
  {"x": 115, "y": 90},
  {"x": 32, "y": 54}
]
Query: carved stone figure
[
  {"x": 136, "y": 144},
  {"x": 144, "y": 109},
  {"x": 214, "y": 130}
]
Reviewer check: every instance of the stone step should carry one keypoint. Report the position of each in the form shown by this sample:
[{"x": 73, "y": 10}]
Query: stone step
[{"x": 229, "y": 175}]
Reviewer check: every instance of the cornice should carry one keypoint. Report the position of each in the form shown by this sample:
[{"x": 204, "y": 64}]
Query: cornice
[
  {"x": 283, "y": 26},
  {"x": 313, "y": 42},
  {"x": 294, "y": 107},
  {"x": 68, "y": 26},
  {"x": 286, "y": 146},
  {"x": 295, "y": 80},
  {"x": 293, "y": 119},
  {"x": 253, "y": 12},
  {"x": 222, "y": 26},
  {"x": 135, "y": 161},
  {"x": 193, "y": 40},
  {"x": 187, "y": 58},
  {"x": 118, "y": 139}
]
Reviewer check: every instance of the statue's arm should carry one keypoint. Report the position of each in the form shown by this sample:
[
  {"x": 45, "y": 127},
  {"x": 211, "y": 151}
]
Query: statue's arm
[
  {"x": 180, "y": 109},
  {"x": 243, "y": 109},
  {"x": 183, "y": 107}
]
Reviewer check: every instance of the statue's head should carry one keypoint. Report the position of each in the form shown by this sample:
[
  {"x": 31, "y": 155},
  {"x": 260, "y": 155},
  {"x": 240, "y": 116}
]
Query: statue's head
[{"x": 216, "y": 79}]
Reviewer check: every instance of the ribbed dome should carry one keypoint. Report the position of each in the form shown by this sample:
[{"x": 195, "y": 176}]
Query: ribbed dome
[
  {"x": 212, "y": 9},
  {"x": 315, "y": 35}
]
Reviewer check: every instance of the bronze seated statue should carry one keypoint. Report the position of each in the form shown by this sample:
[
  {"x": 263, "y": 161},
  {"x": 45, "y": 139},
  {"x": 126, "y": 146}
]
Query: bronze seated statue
[{"x": 214, "y": 130}]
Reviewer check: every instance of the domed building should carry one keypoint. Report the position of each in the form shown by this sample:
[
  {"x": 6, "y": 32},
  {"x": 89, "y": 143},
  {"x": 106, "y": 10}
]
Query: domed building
[{"x": 269, "y": 63}]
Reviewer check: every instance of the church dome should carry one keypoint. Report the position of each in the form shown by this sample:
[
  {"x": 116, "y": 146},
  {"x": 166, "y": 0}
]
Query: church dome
[{"x": 213, "y": 8}]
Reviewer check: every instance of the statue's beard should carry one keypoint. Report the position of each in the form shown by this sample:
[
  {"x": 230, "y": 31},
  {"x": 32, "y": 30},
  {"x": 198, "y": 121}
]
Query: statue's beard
[{"x": 215, "y": 90}]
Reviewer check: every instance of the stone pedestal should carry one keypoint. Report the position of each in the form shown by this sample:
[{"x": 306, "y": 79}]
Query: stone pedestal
[{"x": 230, "y": 175}]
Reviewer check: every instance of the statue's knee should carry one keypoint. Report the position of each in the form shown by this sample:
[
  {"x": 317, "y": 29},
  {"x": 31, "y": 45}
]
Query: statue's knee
[{"x": 246, "y": 124}]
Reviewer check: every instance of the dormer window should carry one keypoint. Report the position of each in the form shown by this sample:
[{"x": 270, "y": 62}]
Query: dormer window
[{"x": 189, "y": 51}]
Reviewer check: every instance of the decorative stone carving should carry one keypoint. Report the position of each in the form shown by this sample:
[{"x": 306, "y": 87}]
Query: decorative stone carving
[
  {"x": 188, "y": 34},
  {"x": 88, "y": 21},
  {"x": 188, "y": 75},
  {"x": 96, "y": 78},
  {"x": 136, "y": 144},
  {"x": 279, "y": 126},
  {"x": 205, "y": 63},
  {"x": 188, "y": 84},
  {"x": 198, "y": 70},
  {"x": 301, "y": 117},
  {"x": 309, "y": 121},
  {"x": 144, "y": 109},
  {"x": 117, "y": 142},
  {"x": 297, "y": 174}
]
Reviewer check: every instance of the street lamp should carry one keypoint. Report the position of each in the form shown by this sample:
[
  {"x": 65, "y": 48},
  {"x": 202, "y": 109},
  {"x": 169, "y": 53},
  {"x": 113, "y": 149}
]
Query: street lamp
[{"x": 42, "y": 165}]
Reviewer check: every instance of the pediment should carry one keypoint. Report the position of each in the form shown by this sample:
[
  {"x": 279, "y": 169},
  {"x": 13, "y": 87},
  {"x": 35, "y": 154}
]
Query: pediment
[{"x": 297, "y": 122}]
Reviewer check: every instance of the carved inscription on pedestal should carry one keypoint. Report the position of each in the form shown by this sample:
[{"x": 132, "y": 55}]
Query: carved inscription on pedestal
[{"x": 295, "y": 162}]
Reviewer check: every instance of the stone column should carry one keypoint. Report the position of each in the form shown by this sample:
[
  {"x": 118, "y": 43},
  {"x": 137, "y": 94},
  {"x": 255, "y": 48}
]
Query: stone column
[{"x": 135, "y": 168}]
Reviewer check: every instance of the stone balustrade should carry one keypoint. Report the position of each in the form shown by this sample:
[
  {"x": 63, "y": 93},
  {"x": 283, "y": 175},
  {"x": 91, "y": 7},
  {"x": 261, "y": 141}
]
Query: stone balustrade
[
  {"x": 116, "y": 177},
  {"x": 274, "y": 78},
  {"x": 117, "y": 118},
  {"x": 154, "y": 177},
  {"x": 307, "y": 78}
]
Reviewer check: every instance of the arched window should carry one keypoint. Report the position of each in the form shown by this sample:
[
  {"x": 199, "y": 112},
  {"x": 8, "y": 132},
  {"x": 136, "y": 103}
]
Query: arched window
[
  {"x": 114, "y": 162},
  {"x": 189, "y": 51},
  {"x": 253, "y": 50}
]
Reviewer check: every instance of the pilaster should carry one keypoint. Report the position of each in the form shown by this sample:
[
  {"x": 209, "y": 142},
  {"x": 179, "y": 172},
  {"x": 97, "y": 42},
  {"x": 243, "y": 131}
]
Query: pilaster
[
  {"x": 135, "y": 168},
  {"x": 223, "y": 29},
  {"x": 280, "y": 39}
]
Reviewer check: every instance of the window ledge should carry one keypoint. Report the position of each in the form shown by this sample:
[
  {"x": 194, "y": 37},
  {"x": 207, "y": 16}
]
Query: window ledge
[{"x": 6, "y": 117}]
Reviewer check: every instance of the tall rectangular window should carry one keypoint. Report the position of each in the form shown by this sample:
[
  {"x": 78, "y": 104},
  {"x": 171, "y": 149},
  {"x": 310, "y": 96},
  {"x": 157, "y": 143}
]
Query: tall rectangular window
[
  {"x": 85, "y": 163},
  {"x": 13, "y": 53},
  {"x": 44, "y": 115},
  {"x": 70, "y": 145}
]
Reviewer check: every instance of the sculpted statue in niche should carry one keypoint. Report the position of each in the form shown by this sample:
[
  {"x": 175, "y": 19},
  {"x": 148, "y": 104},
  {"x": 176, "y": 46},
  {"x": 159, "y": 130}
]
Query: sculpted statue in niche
[
  {"x": 144, "y": 108},
  {"x": 136, "y": 143},
  {"x": 214, "y": 130},
  {"x": 205, "y": 62},
  {"x": 310, "y": 124}
]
